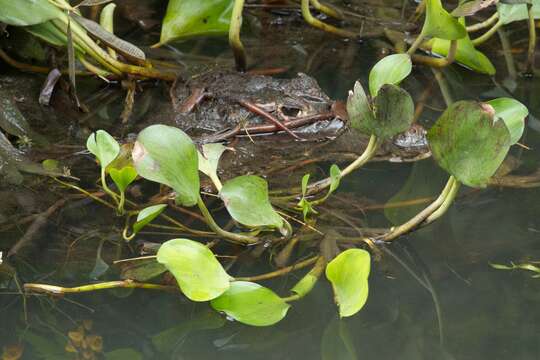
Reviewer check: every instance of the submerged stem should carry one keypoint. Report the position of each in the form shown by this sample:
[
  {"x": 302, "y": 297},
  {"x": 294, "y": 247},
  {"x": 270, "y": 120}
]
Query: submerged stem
[
  {"x": 239, "y": 238},
  {"x": 125, "y": 284},
  {"x": 417, "y": 220}
]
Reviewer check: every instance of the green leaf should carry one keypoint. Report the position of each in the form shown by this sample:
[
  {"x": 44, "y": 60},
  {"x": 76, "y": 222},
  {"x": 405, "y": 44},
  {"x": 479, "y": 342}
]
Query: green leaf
[
  {"x": 209, "y": 161},
  {"x": 199, "y": 275},
  {"x": 440, "y": 24},
  {"x": 190, "y": 18},
  {"x": 513, "y": 113},
  {"x": 27, "y": 12},
  {"x": 166, "y": 155},
  {"x": 469, "y": 143},
  {"x": 123, "y": 177},
  {"x": 305, "y": 181},
  {"x": 391, "y": 69},
  {"x": 335, "y": 178},
  {"x": 394, "y": 111},
  {"x": 246, "y": 199},
  {"x": 146, "y": 216},
  {"x": 104, "y": 147},
  {"x": 251, "y": 304},
  {"x": 359, "y": 110},
  {"x": 509, "y": 13},
  {"x": 466, "y": 53},
  {"x": 349, "y": 273}
]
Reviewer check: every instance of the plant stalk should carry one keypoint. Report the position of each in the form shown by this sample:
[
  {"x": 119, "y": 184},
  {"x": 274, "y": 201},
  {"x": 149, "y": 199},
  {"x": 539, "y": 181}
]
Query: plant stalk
[
  {"x": 234, "y": 36},
  {"x": 532, "y": 41},
  {"x": 238, "y": 238},
  {"x": 410, "y": 225},
  {"x": 488, "y": 34},
  {"x": 308, "y": 17},
  {"x": 125, "y": 284},
  {"x": 367, "y": 155}
]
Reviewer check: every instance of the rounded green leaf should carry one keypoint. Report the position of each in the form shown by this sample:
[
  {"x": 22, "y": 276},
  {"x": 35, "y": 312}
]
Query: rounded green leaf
[
  {"x": 469, "y": 143},
  {"x": 348, "y": 273},
  {"x": 359, "y": 110},
  {"x": 440, "y": 24},
  {"x": 394, "y": 111},
  {"x": 190, "y": 18},
  {"x": 104, "y": 147},
  {"x": 199, "y": 275},
  {"x": 513, "y": 113},
  {"x": 166, "y": 155},
  {"x": 146, "y": 216},
  {"x": 391, "y": 69},
  {"x": 123, "y": 177},
  {"x": 251, "y": 304},
  {"x": 246, "y": 199},
  {"x": 27, "y": 12}
]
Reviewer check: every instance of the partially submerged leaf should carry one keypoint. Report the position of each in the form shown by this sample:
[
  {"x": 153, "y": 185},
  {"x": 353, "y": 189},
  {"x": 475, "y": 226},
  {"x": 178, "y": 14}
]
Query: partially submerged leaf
[
  {"x": 142, "y": 270},
  {"x": 199, "y": 275},
  {"x": 440, "y": 24},
  {"x": 513, "y": 113},
  {"x": 392, "y": 69},
  {"x": 189, "y": 18},
  {"x": 469, "y": 143},
  {"x": 166, "y": 155},
  {"x": 251, "y": 304},
  {"x": 146, "y": 216},
  {"x": 348, "y": 273},
  {"x": 104, "y": 147},
  {"x": 246, "y": 199}
]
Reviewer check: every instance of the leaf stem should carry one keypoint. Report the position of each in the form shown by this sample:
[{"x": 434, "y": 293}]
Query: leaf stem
[
  {"x": 484, "y": 24},
  {"x": 234, "y": 36},
  {"x": 238, "y": 238},
  {"x": 369, "y": 152},
  {"x": 308, "y": 17},
  {"x": 485, "y": 36},
  {"x": 417, "y": 42},
  {"x": 280, "y": 272},
  {"x": 314, "y": 274},
  {"x": 414, "y": 222}
]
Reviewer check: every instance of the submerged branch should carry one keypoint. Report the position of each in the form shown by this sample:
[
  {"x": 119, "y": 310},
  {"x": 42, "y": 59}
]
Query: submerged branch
[{"x": 124, "y": 284}]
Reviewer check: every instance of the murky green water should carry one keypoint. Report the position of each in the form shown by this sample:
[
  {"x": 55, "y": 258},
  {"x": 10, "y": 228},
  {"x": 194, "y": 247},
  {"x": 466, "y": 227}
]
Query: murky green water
[{"x": 433, "y": 294}]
